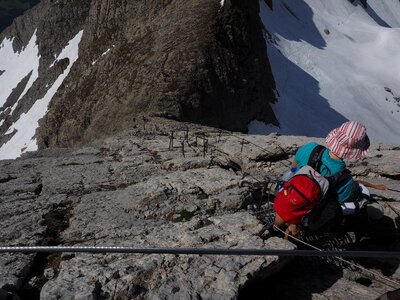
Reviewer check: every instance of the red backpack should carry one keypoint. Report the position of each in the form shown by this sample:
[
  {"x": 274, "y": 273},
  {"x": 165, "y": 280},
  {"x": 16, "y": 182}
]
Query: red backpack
[{"x": 303, "y": 192}]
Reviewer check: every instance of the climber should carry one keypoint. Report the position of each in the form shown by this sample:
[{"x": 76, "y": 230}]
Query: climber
[{"x": 345, "y": 196}]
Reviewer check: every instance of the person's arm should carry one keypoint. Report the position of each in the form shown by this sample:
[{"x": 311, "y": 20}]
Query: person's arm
[{"x": 381, "y": 187}]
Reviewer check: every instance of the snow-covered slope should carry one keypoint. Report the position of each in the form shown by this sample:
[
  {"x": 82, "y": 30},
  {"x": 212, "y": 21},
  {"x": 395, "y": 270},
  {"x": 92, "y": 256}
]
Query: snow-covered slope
[
  {"x": 15, "y": 66},
  {"x": 334, "y": 60}
]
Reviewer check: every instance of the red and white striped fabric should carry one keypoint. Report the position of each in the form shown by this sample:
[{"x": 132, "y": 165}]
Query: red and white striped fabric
[{"x": 349, "y": 141}]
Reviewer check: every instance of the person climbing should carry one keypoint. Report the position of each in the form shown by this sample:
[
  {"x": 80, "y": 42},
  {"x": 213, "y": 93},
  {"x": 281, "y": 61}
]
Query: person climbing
[{"x": 347, "y": 142}]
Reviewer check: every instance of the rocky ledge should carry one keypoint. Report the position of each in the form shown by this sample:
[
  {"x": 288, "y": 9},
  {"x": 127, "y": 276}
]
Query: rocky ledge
[{"x": 145, "y": 188}]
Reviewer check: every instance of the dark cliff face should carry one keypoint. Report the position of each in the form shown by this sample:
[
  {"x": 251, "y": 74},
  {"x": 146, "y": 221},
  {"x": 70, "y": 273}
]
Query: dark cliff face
[
  {"x": 186, "y": 59},
  {"x": 55, "y": 24},
  {"x": 235, "y": 85},
  {"x": 10, "y": 9}
]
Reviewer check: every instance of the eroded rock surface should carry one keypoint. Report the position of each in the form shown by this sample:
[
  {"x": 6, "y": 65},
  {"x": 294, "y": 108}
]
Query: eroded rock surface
[{"x": 144, "y": 189}]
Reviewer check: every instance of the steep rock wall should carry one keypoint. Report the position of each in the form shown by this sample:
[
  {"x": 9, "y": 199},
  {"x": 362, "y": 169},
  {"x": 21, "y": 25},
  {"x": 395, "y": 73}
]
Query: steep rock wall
[
  {"x": 47, "y": 28},
  {"x": 10, "y": 9},
  {"x": 196, "y": 61}
]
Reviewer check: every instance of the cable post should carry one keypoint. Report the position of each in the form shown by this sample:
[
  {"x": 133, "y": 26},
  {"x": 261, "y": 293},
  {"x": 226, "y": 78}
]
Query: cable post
[
  {"x": 186, "y": 138},
  {"x": 183, "y": 148},
  {"x": 171, "y": 141}
]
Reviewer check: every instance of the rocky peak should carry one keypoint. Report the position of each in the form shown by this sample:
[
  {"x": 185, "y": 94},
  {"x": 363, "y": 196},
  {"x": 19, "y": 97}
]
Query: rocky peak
[
  {"x": 195, "y": 61},
  {"x": 188, "y": 60}
]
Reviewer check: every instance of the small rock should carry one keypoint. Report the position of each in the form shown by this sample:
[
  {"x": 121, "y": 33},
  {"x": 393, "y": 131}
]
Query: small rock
[{"x": 49, "y": 273}]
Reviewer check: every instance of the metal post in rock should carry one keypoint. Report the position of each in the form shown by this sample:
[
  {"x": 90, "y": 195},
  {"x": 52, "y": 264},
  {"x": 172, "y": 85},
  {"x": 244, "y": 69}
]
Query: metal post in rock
[
  {"x": 183, "y": 148},
  {"x": 171, "y": 141}
]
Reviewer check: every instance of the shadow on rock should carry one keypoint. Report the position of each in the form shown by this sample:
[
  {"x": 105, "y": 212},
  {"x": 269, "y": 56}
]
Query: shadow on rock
[
  {"x": 381, "y": 235},
  {"x": 299, "y": 280}
]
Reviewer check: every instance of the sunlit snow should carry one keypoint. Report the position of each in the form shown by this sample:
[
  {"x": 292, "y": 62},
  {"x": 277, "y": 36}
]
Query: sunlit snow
[
  {"x": 332, "y": 61},
  {"x": 105, "y": 52},
  {"x": 24, "y": 140},
  {"x": 17, "y": 65}
]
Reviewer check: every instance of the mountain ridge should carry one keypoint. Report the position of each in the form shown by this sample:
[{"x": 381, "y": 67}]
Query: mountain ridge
[{"x": 209, "y": 68}]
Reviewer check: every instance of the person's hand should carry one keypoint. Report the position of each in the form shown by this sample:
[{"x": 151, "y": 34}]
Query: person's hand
[
  {"x": 292, "y": 230},
  {"x": 381, "y": 187}
]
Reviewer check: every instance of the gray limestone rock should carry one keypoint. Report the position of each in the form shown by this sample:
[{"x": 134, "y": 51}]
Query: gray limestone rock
[{"x": 135, "y": 190}]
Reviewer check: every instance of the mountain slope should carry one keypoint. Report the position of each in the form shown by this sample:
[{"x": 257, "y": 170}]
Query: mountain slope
[
  {"x": 34, "y": 62},
  {"x": 207, "y": 66},
  {"x": 334, "y": 60}
]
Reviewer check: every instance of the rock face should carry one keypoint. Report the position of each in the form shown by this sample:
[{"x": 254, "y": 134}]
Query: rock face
[
  {"x": 48, "y": 28},
  {"x": 144, "y": 189},
  {"x": 9, "y": 9},
  {"x": 191, "y": 60}
]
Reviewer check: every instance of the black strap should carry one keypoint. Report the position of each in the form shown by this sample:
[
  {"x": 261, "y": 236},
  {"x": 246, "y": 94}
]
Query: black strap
[
  {"x": 300, "y": 193},
  {"x": 357, "y": 205},
  {"x": 314, "y": 160},
  {"x": 337, "y": 179}
]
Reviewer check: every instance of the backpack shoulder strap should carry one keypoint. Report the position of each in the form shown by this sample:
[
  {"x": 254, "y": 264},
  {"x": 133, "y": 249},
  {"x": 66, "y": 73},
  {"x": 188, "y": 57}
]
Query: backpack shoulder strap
[
  {"x": 315, "y": 157},
  {"x": 337, "y": 179}
]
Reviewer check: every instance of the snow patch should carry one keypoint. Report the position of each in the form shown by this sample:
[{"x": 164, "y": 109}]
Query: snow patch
[
  {"x": 16, "y": 66},
  {"x": 385, "y": 13},
  {"x": 222, "y": 2},
  {"x": 105, "y": 53},
  {"x": 24, "y": 139},
  {"x": 9, "y": 131}
]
